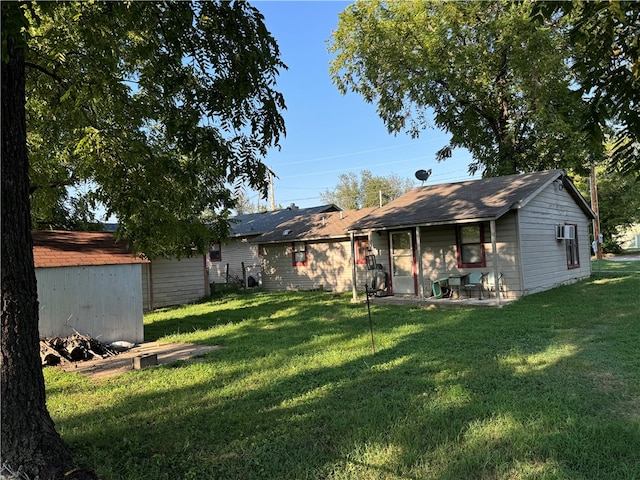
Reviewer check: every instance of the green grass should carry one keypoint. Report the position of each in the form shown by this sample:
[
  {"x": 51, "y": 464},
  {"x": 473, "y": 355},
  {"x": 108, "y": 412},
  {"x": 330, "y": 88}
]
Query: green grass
[{"x": 545, "y": 388}]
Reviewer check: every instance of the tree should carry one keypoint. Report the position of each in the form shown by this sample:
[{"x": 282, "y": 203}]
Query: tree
[
  {"x": 485, "y": 72},
  {"x": 618, "y": 203},
  {"x": 352, "y": 193},
  {"x": 148, "y": 99},
  {"x": 605, "y": 51},
  {"x": 160, "y": 105}
]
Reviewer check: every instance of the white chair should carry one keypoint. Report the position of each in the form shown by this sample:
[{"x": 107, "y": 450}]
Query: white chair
[{"x": 490, "y": 282}]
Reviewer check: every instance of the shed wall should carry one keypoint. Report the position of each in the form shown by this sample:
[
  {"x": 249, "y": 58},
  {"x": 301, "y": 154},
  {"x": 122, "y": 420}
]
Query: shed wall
[
  {"x": 544, "y": 259},
  {"x": 104, "y": 302},
  {"x": 174, "y": 282}
]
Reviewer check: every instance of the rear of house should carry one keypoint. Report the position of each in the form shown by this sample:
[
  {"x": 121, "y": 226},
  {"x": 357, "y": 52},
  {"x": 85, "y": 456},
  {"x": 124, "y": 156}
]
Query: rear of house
[
  {"x": 314, "y": 252},
  {"x": 502, "y": 227},
  {"x": 239, "y": 259}
]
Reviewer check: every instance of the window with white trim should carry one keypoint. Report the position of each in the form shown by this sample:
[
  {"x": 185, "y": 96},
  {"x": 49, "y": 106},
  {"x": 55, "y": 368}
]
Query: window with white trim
[{"x": 215, "y": 252}]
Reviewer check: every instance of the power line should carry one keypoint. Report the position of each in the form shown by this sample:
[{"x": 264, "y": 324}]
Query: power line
[{"x": 352, "y": 154}]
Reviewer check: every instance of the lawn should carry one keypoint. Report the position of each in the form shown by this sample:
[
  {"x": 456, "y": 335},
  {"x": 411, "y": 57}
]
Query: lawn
[{"x": 545, "y": 388}]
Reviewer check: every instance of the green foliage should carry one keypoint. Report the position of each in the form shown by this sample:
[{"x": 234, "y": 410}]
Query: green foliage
[
  {"x": 159, "y": 105},
  {"x": 605, "y": 52},
  {"x": 352, "y": 193},
  {"x": 544, "y": 388},
  {"x": 482, "y": 71},
  {"x": 618, "y": 204}
]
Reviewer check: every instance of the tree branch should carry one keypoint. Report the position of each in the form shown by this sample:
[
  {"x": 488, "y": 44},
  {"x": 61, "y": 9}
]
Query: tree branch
[{"x": 41, "y": 69}]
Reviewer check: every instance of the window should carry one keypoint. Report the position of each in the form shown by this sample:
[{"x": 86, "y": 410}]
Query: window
[
  {"x": 215, "y": 252},
  {"x": 299, "y": 254},
  {"x": 362, "y": 250},
  {"x": 571, "y": 245},
  {"x": 470, "y": 246}
]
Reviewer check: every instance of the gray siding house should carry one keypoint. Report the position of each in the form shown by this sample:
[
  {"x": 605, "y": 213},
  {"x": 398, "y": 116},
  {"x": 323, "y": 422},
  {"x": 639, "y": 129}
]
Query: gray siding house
[
  {"x": 225, "y": 260},
  {"x": 315, "y": 252},
  {"x": 530, "y": 230}
]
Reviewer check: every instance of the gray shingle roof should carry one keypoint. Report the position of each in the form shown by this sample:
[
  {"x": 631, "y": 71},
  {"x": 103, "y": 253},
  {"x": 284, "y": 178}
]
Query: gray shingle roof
[
  {"x": 320, "y": 226},
  {"x": 257, "y": 223},
  {"x": 473, "y": 200}
]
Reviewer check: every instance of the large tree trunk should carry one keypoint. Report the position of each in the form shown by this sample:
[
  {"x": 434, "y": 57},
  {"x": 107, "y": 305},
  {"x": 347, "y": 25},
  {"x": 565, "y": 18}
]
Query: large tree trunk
[{"x": 29, "y": 438}]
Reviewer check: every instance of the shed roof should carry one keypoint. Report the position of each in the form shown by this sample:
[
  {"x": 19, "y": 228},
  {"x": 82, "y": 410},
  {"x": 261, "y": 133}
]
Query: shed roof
[
  {"x": 469, "y": 201},
  {"x": 257, "y": 223},
  {"x": 320, "y": 226},
  {"x": 57, "y": 248}
]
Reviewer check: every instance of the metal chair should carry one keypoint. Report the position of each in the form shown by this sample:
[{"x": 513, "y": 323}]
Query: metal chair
[{"x": 474, "y": 280}]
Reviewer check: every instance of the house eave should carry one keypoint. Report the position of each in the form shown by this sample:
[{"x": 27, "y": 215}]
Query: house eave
[{"x": 435, "y": 223}]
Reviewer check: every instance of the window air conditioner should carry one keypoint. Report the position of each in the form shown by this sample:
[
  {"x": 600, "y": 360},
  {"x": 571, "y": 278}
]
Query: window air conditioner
[{"x": 565, "y": 232}]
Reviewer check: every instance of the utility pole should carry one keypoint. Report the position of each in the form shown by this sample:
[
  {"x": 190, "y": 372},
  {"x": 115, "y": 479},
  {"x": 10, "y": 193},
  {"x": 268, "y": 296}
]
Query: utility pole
[
  {"x": 594, "y": 206},
  {"x": 273, "y": 195}
]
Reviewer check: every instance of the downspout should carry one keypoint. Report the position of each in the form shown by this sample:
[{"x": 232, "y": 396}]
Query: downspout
[
  {"x": 494, "y": 249},
  {"x": 354, "y": 291},
  {"x": 419, "y": 261}
]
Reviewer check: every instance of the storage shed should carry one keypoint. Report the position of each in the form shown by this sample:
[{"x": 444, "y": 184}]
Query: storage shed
[{"x": 90, "y": 283}]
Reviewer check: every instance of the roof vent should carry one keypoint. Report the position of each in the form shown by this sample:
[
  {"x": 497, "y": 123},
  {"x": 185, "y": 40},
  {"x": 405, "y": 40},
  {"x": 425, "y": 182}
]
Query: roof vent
[{"x": 286, "y": 232}]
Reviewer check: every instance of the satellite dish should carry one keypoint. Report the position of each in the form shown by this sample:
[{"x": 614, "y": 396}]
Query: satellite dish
[{"x": 423, "y": 175}]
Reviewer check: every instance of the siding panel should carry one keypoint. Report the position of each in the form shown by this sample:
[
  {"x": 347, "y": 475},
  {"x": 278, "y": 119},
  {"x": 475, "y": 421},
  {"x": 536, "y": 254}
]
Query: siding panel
[
  {"x": 175, "y": 282},
  {"x": 544, "y": 259},
  {"x": 328, "y": 268},
  {"x": 104, "y": 302},
  {"x": 234, "y": 253}
]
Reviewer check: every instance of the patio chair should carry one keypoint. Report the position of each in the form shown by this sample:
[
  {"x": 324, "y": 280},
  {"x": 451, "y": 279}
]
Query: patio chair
[
  {"x": 490, "y": 283},
  {"x": 474, "y": 280},
  {"x": 440, "y": 288}
]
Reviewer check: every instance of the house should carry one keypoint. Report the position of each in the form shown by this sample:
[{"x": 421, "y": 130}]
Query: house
[
  {"x": 315, "y": 252},
  {"x": 226, "y": 260},
  {"x": 90, "y": 283},
  {"x": 531, "y": 231}
]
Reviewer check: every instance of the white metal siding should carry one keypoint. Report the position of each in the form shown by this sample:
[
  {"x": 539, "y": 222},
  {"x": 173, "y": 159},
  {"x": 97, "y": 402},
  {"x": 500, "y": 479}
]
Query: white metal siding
[
  {"x": 175, "y": 282},
  {"x": 103, "y": 301},
  {"x": 544, "y": 259},
  {"x": 328, "y": 268}
]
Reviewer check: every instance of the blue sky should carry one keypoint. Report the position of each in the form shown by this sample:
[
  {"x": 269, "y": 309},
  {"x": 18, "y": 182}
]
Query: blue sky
[{"x": 328, "y": 133}]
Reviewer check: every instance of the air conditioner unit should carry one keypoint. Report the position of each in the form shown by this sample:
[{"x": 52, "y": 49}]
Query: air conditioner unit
[{"x": 565, "y": 232}]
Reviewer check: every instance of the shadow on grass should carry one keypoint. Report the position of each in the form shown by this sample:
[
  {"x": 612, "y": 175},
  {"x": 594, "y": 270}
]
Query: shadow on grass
[
  {"x": 223, "y": 311},
  {"x": 510, "y": 393}
]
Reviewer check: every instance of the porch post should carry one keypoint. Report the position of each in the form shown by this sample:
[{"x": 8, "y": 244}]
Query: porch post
[
  {"x": 354, "y": 290},
  {"x": 494, "y": 249},
  {"x": 419, "y": 260}
]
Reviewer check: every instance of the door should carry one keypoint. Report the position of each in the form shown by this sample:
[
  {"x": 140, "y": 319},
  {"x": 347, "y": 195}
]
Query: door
[{"x": 402, "y": 270}]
